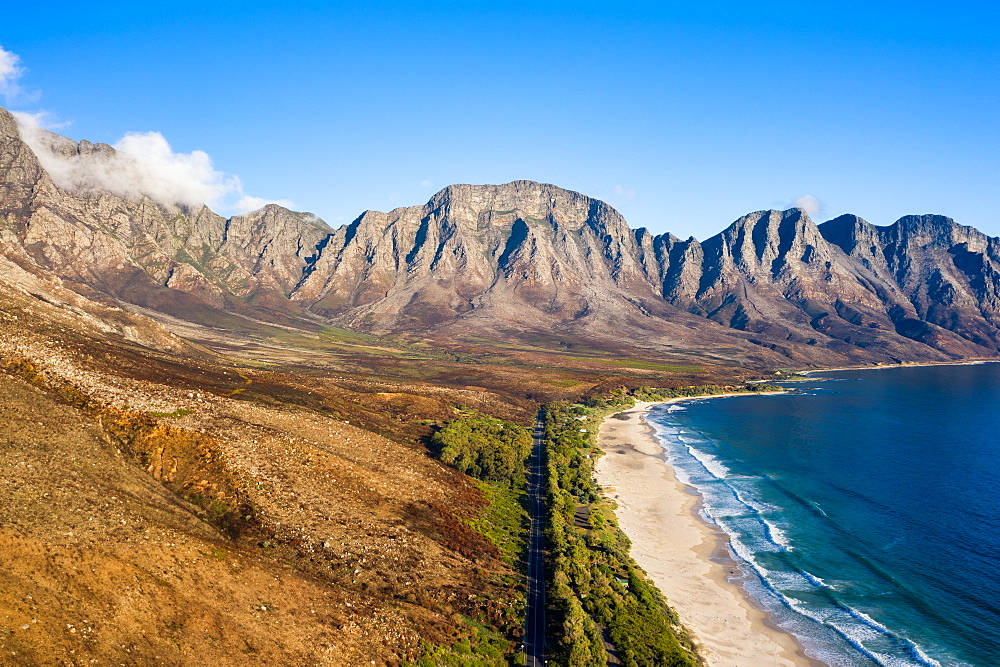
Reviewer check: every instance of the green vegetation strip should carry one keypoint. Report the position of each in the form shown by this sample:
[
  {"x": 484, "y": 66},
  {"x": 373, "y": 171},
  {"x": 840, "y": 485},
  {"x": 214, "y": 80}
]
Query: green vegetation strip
[
  {"x": 481, "y": 647},
  {"x": 641, "y": 364},
  {"x": 494, "y": 452},
  {"x": 504, "y": 521},
  {"x": 598, "y": 591},
  {"x": 485, "y": 448}
]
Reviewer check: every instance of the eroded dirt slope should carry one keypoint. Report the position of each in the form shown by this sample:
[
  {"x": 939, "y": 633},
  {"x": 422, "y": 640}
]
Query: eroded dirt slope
[{"x": 174, "y": 510}]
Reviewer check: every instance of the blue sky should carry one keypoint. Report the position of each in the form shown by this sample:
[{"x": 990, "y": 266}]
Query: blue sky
[{"x": 682, "y": 115}]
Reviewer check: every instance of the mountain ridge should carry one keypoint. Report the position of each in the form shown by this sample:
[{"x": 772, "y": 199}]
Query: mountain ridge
[{"x": 773, "y": 288}]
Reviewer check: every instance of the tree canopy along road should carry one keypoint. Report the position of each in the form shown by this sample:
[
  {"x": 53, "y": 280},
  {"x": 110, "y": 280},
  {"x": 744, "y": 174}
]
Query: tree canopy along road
[{"x": 534, "y": 624}]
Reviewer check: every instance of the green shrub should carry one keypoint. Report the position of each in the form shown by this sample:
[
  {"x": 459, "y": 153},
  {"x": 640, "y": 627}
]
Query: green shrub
[
  {"x": 588, "y": 566},
  {"x": 484, "y": 447}
]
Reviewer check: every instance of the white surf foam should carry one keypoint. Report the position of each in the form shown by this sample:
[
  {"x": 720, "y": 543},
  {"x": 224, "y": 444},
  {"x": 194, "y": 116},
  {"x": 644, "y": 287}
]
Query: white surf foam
[
  {"x": 733, "y": 506},
  {"x": 778, "y": 536},
  {"x": 711, "y": 463}
]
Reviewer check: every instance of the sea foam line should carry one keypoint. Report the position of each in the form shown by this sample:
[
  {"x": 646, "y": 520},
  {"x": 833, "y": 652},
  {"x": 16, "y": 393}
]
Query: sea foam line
[
  {"x": 853, "y": 625},
  {"x": 710, "y": 463}
]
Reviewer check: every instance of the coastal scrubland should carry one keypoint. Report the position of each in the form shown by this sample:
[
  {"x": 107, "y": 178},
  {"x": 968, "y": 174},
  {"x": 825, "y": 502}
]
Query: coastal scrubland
[
  {"x": 494, "y": 452},
  {"x": 607, "y": 608},
  {"x": 604, "y": 601}
]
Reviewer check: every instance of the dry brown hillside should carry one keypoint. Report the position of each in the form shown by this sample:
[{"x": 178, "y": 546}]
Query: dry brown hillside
[{"x": 165, "y": 509}]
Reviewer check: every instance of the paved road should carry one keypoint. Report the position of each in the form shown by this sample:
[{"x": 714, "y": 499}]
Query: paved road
[{"x": 534, "y": 624}]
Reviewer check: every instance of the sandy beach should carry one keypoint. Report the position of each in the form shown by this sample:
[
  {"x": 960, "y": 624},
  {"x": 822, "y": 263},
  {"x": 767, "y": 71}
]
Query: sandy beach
[{"x": 684, "y": 556}]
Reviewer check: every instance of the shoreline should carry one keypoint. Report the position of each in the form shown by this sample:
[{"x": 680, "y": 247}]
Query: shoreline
[
  {"x": 903, "y": 364},
  {"x": 686, "y": 558}
]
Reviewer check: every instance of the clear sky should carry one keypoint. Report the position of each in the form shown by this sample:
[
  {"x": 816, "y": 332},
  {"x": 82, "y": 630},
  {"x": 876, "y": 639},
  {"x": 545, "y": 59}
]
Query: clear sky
[{"x": 682, "y": 115}]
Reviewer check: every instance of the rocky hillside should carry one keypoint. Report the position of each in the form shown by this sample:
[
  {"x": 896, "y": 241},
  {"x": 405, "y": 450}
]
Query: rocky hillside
[
  {"x": 515, "y": 261},
  {"x": 162, "y": 506}
]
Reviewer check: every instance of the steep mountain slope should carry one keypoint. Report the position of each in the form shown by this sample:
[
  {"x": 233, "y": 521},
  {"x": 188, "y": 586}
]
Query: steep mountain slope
[
  {"x": 947, "y": 272},
  {"x": 162, "y": 506},
  {"x": 140, "y": 250},
  {"x": 522, "y": 257},
  {"x": 775, "y": 274},
  {"x": 520, "y": 261}
]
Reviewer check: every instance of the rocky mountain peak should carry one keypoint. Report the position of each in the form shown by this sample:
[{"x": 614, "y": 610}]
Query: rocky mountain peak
[
  {"x": 530, "y": 194},
  {"x": 922, "y": 230},
  {"x": 767, "y": 240},
  {"x": 849, "y": 231},
  {"x": 8, "y": 126},
  {"x": 20, "y": 170},
  {"x": 528, "y": 201},
  {"x": 515, "y": 257}
]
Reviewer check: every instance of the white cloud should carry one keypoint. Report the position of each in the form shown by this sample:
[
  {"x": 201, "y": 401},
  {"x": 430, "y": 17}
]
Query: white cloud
[
  {"x": 425, "y": 183},
  {"x": 38, "y": 120},
  {"x": 140, "y": 163},
  {"x": 808, "y": 203},
  {"x": 10, "y": 72},
  {"x": 147, "y": 165}
]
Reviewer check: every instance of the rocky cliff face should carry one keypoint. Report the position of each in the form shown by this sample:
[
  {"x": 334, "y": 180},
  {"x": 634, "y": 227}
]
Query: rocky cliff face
[
  {"x": 947, "y": 273},
  {"x": 554, "y": 251},
  {"x": 168, "y": 257},
  {"x": 779, "y": 275},
  {"x": 522, "y": 258}
]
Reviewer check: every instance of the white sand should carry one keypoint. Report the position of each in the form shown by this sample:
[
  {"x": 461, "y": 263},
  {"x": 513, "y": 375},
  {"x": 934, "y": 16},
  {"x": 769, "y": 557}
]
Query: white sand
[{"x": 674, "y": 547}]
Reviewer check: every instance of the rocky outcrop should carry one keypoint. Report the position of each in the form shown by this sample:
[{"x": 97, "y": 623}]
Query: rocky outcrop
[
  {"x": 779, "y": 275},
  {"x": 168, "y": 257},
  {"x": 947, "y": 274},
  {"x": 527, "y": 253},
  {"x": 19, "y": 167},
  {"x": 502, "y": 261},
  {"x": 476, "y": 248}
]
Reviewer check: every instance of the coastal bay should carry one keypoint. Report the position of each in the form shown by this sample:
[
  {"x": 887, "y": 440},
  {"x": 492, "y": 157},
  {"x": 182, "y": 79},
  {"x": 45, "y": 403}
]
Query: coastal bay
[
  {"x": 684, "y": 556},
  {"x": 859, "y": 511}
]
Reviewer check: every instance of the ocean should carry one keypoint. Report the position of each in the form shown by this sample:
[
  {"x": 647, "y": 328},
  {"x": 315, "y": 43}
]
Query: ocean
[{"x": 863, "y": 510}]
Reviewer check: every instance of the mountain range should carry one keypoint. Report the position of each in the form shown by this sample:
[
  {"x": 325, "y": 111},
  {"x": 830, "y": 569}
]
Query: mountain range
[
  {"x": 513, "y": 262},
  {"x": 212, "y": 443}
]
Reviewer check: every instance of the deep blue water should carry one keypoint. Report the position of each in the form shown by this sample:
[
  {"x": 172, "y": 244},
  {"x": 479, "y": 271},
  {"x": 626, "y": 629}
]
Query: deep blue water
[{"x": 864, "y": 511}]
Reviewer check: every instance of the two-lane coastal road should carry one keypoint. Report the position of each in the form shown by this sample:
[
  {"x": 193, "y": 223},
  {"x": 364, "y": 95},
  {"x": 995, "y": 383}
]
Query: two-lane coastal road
[{"x": 534, "y": 624}]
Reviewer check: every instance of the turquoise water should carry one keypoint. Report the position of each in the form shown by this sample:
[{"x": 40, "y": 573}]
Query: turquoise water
[{"x": 864, "y": 511}]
